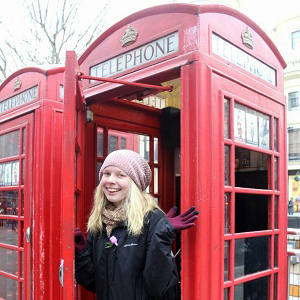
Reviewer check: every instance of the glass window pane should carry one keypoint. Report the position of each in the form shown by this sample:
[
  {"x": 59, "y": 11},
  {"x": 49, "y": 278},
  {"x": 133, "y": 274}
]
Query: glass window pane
[
  {"x": 7, "y": 173},
  {"x": 296, "y": 40},
  {"x": 2, "y": 174},
  {"x": 226, "y": 118},
  {"x": 276, "y": 173},
  {"x": 275, "y": 286},
  {"x": 226, "y": 294},
  {"x": 14, "y": 143},
  {"x": 9, "y": 261},
  {"x": 10, "y": 144},
  {"x": 294, "y": 144},
  {"x": 275, "y": 134},
  {"x": 123, "y": 143},
  {"x": 23, "y": 171},
  {"x": 23, "y": 140},
  {"x": 251, "y": 126},
  {"x": 9, "y": 202},
  {"x": 99, "y": 142},
  {"x": 156, "y": 150},
  {"x": 155, "y": 180},
  {"x": 8, "y": 288},
  {"x": 144, "y": 147},
  {"x": 239, "y": 123},
  {"x": 276, "y": 212},
  {"x": 9, "y": 232},
  {"x": 275, "y": 251},
  {"x": 251, "y": 169},
  {"x": 2, "y": 146},
  {"x": 22, "y": 200},
  {"x": 226, "y": 260},
  {"x": 15, "y": 173},
  {"x": 99, "y": 164},
  {"x": 22, "y": 264},
  {"x": 112, "y": 143},
  {"x": 293, "y": 101},
  {"x": 227, "y": 165},
  {"x": 257, "y": 289},
  {"x": 251, "y": 255},
  {"x": 251, "y": 212},
  {"x": 264, "y": 132},
  {"x": 227, "y": 219}
]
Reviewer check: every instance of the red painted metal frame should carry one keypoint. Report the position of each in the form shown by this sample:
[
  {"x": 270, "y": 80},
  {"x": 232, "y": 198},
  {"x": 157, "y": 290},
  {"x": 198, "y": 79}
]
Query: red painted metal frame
[
  {"x": 72, "y": 168},
  {"x": 271, "y": 191},
  {"x": 24, "y": 220},
  {"x": 46, "y": 228},
  {"x": 68, "y": 175}
]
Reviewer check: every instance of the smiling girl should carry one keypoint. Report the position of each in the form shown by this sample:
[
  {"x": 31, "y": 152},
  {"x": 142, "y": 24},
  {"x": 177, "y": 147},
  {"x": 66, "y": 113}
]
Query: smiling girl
[{"x": 127, "y": 254}]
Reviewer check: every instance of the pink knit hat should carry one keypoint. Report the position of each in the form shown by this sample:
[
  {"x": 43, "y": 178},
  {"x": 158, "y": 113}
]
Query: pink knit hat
[{"x": 132, "y": 163}]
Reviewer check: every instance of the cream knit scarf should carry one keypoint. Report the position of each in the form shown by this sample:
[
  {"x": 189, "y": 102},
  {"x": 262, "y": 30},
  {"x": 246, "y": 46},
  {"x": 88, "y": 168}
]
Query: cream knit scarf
[{"x": 113, "y": 216}]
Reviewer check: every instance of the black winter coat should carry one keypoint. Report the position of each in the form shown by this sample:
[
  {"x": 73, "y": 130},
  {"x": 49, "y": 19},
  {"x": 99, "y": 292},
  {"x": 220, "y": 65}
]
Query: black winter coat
[{"x": 139, "y": 268}]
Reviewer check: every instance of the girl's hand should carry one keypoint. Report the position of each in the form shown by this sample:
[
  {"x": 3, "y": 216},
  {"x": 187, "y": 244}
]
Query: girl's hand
[
  {"x": 80, "y": 242},
  {"x": 184, "y": 220}
]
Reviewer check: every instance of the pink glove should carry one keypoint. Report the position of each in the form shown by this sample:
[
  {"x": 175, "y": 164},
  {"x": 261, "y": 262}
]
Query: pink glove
[
  {"x": 184, "y": 220},
  {"x": 80, "y": 243}
]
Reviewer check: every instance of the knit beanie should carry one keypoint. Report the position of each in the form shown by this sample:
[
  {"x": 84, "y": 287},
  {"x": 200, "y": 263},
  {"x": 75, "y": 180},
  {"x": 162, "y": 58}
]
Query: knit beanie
[{"x": 132, "y": 163}]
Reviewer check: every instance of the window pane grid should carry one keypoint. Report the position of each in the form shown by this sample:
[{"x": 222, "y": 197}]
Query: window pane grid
[
  {"x": 12, "y": 180},
  {"x": 109, "y": 140},
  {"x": 265, "y": 142}
]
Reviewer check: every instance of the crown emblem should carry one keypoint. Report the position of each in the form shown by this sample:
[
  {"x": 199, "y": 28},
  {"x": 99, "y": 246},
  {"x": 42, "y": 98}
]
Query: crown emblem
[
  {"x": 129, "y": 36},
  {"x": 247, "y": 38},
  {"x": 17, "y": 84}
]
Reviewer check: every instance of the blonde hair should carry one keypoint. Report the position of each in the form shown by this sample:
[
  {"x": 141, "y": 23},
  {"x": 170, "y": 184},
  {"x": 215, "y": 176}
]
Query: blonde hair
[{"x": 137, "y": 205}]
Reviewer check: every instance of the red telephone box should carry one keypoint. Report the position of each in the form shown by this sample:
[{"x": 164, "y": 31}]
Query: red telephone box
[
  {"x": 31, "y": 134},
  {"x": 196, "y": 90}
]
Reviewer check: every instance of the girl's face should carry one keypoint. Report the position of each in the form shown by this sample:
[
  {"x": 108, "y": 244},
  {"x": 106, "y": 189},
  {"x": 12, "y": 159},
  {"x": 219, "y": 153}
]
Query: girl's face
[{"x": 115, "y": 184}]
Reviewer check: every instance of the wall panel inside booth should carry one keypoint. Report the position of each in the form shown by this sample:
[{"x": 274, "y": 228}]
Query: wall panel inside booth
[{"x": 150, "y": 127}]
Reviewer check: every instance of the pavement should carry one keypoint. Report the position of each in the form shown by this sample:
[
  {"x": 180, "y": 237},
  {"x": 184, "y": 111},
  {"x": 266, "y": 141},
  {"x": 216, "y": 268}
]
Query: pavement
[{"x": 296, "y": 214}]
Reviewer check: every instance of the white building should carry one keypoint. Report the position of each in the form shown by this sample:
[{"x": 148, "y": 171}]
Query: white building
[{"x": 287, "y": 39}]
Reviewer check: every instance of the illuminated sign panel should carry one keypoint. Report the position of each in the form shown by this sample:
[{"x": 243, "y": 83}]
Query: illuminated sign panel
[
  {"x": 19, "y": 99},
  {"x": 154, "y": 50},
  {"x": 242, "y": 59}
]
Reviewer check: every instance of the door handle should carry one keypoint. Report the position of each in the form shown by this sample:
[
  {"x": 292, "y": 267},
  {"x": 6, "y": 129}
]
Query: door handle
[
  {"x": 61, "y": 272},
  {"x": 28, "y": 234}
]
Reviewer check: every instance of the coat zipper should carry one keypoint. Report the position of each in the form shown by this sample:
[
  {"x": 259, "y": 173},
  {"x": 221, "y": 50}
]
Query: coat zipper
[
  {"x": 107, "y": 286},
  {"x": 114, "y": 264}
]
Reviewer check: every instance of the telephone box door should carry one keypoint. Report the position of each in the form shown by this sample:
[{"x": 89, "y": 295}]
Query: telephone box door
[
  {"x": 16, "y": 140},
  {"x": 72, "y": 170},
  {"x": 254, "y": 191}
]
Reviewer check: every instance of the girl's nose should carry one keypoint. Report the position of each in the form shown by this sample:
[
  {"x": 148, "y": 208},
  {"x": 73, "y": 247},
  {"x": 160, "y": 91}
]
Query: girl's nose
[{"x": 111, "y": 178}]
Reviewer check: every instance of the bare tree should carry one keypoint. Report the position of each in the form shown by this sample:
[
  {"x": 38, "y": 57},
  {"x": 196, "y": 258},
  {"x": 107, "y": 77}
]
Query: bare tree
[
  {"x": 52, "y": 28},
  {"x": 3, "y": 64}
]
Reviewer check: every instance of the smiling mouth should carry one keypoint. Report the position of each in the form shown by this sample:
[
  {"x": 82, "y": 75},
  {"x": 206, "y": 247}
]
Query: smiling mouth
[{"x": 113, "y": 190}]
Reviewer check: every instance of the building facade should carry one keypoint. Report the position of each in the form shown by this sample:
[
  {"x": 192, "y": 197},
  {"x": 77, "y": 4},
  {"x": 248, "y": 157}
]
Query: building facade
[{"x": 287, "y": 38}]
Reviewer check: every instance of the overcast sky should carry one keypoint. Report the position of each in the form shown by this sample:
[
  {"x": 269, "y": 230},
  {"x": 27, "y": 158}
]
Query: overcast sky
[{"x": 264, "y": 12}]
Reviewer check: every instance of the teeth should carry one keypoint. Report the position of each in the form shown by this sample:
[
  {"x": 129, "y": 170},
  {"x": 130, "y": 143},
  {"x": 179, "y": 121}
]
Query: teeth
[{"x": 113, "y": 190}]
